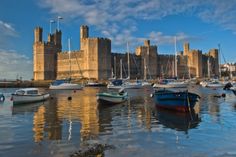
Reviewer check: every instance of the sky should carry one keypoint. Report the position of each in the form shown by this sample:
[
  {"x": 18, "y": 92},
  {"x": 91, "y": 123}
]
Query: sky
[{"x": 205, "y": 24}]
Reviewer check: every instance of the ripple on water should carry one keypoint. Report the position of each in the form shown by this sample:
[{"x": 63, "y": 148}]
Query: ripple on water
[{"x": 59, "y": 127}]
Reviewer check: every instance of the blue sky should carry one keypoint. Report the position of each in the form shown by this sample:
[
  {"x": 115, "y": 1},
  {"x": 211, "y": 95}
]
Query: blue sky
[{"x": 202, "y": 23}]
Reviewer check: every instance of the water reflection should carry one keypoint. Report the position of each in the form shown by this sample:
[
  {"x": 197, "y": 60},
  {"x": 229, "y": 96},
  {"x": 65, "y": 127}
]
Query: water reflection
[
  {"x": 177, "y": 120},
  {"x": 39, "y": 123},
  {"x": 27, "y": 108}
]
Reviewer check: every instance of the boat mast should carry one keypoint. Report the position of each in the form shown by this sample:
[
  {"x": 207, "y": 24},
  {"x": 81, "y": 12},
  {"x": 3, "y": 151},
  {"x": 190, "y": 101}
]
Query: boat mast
[
  {"x": 121, "y": 69},
  {"x": 219, "y": 61},
  {"x": 208, "y": 68},
  {"x": 128, "y": 60},
  {"x": 145, "y": 69},
  {"x": 115, "y": 66},
  {"x": 69, "y": 57},
  {"x": 176, "y": 60}
]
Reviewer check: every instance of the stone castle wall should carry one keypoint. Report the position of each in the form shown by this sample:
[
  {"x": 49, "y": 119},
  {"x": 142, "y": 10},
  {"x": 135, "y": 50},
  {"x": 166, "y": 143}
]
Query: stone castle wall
[{"x": 94, "y": 60}]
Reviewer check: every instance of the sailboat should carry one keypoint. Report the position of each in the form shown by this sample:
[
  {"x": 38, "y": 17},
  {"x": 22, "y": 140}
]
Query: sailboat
[
  {"x": 127, "y": 84},
  {"x": 124, "y": 83},
  {"x": 172, "y": 83},
  {"x": 65, "y": 84},
  {"x": 212, "y": 83},
  {"x": 116, "y": 83}
]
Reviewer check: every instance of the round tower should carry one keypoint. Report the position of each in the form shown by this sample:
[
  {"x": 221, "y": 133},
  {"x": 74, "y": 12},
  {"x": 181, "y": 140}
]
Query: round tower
[{"x": 84, "y": 32}]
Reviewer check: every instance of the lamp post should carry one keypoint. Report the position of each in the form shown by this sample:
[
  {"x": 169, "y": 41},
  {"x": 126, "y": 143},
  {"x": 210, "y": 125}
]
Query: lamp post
[
  {"x": 58, "y": 22},
  {"x": 51, "y": 21}
]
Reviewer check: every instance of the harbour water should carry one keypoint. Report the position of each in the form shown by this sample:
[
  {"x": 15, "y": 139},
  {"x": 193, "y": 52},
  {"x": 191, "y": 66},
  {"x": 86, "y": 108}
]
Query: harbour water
[{"x": 136, "y": 128}]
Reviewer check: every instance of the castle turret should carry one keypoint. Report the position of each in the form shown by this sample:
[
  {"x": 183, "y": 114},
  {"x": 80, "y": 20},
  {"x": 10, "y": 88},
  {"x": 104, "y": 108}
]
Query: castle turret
[
  {"x": 38, "y": 33},
  {"x": 57, "y": 40},
  {"x": 45, "y": 55},
  {"x": 84, "y": 32},
  {"x": 186, "y": 49},
  {"x": 147, "y": 43},
  {"x": 148, "y": 55},
  {"x": 215, "y": 61}
]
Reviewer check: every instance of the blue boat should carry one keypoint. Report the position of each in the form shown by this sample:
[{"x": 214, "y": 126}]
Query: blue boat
[{"x": 183, "y": 101}]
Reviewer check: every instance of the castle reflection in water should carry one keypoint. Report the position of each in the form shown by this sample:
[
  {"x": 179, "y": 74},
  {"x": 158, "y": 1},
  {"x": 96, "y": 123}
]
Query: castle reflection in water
[{"x": 82, "y": 117}]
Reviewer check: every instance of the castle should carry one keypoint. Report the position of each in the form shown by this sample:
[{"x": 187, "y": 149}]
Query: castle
[{"x": 95, "y": 60}]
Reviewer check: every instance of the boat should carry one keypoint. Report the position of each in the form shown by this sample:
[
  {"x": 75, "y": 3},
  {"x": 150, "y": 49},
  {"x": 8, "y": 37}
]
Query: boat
[
  {"x": 65, "y": 84},
  {"x": 132, "y": 85},
  {"x": 171, "y": 83},
  {"x": 28, "y": 95},
  {"x": 94, "y": 84},
  {"x": 124, "y": 83},
  {"x": 112, "y": 97},
  {"x": 115, "y": 84},
  {"x": 120, "y": 83},
  {"x": 183, "y": 101},
  {"x": 2, "y": 97},
  {"x": 212, "y": 84}
]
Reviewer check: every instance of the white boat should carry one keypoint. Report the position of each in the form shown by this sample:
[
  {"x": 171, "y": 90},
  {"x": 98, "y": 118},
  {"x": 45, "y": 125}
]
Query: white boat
[
  {"x": 112, "y": 98},
  {"x": 132, "y": 85},
  {"x": 94, "y": 84},
  {"x": 115, "y": 84},
  {"x": 146, "y": 83},
  {"x": 168, "y": 83},
  {"x": 124, "y": 83},
  {"x": 64, "y": 85},
  {"x": 119, "y": 83},
  {"x": 212, "y": 84},
  {"x": 27, "y": 95}
]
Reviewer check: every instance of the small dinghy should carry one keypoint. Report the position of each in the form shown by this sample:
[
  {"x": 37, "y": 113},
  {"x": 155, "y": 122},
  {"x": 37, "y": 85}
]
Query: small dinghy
[
  {"x": 112, "y": 97},
  {"x": 28, "y": 95}
]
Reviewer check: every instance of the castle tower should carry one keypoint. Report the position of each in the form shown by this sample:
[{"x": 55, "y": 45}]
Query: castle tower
[
  {"x": 195, "y": 63},
  {"x": 84, "y": 32},
  {"x": 214, "y": 54},
  {"x": 45, "y": 55},
  {"x": 186, "y": 49},
  {"x": 148, "y": 55},
  {"x": 147, "y": 43},
  {"x": 38, "y": 33}
]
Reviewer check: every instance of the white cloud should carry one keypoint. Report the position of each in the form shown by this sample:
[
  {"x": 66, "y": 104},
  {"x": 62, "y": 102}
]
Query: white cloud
[
  {"x": 7, "y": 31},
  {"x": 13, "y": 64},
  {"x": 112, "y": 16}
]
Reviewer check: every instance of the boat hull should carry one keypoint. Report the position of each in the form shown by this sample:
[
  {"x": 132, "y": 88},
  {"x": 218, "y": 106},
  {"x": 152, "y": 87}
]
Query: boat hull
[
  {"x": 20, "y": 99},
  {"x": 66, "y": 86},
  {"x": 179, "y": 101},
  {"x": 109, "y": 98}
]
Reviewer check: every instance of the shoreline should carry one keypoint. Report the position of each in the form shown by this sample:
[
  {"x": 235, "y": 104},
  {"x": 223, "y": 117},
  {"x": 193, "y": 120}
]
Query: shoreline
[{"x": 24, "y": 84}]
